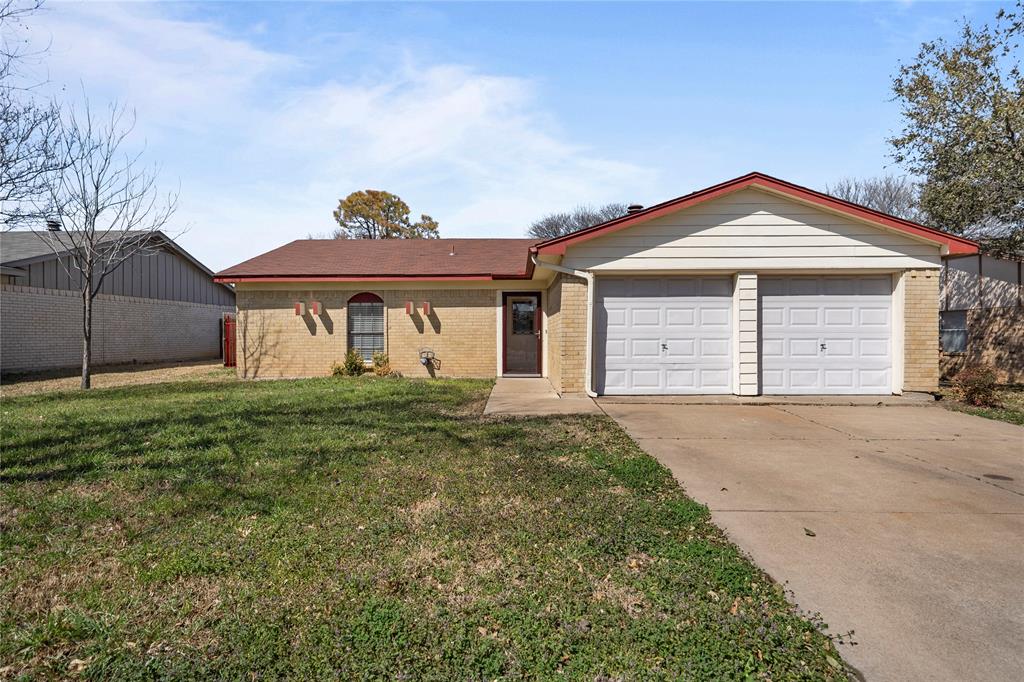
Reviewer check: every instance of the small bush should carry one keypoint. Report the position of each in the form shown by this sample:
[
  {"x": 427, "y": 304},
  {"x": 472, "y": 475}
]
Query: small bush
[
  {"x": 352, "y": 366},
  {"x": 976, "y": 386},
  {"x": 382, "y": 365}
]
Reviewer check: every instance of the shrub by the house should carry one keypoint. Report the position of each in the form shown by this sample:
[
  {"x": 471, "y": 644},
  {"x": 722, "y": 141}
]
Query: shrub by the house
[{"x": 976, "y": 385}]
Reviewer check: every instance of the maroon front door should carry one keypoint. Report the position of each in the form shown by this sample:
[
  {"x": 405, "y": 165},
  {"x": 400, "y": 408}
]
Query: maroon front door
[{"x": 522, "y": 333}]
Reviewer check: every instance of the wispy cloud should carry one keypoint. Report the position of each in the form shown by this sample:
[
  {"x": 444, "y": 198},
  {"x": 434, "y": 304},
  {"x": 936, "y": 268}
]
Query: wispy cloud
[{"x": 263, "y": 160}]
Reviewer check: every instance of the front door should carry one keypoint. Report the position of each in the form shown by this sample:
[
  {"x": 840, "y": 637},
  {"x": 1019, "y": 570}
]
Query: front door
[{"x": 522, "y": 334}]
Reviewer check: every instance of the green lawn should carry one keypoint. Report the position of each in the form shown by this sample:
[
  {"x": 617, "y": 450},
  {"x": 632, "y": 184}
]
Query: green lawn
[
  {"x": 1010, "y": 408},
  {"x": 364, "y": 528}
]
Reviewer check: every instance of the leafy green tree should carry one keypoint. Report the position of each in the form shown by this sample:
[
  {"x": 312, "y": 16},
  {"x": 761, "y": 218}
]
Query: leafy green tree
[
  {"x": 963, "y": 134},
  {"x": 375, "y": 214}
]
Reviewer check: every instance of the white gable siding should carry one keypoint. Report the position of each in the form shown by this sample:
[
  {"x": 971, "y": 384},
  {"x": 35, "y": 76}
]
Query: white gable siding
[{"x": 752, "y": 230}]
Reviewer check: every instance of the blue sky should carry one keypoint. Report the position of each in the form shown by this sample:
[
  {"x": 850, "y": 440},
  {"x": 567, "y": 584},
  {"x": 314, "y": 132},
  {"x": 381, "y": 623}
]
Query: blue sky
[{"x": 485, "y": 116}]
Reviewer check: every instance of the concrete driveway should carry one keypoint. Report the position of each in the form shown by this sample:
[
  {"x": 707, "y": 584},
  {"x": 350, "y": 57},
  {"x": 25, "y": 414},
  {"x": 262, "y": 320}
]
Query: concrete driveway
[{"x": 917, "y": 515}]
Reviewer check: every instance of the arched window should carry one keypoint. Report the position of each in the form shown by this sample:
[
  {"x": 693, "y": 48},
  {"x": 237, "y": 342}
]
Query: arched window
[{"x": 366, "y": 324}]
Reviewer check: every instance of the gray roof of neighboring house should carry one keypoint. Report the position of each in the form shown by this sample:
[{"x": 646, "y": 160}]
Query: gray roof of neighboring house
[{"x": 20, "y": 247}]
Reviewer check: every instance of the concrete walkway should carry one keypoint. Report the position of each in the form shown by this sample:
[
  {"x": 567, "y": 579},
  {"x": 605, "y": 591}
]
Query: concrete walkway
[
  {"x": 903, "y": 524},
  {"x": 535, "y": 397}
]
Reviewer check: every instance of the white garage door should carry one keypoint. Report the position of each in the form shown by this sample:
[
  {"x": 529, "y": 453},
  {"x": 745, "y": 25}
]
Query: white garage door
[
  {"x": 827, "y": 335},
  {"x": 668, "y": 335}
]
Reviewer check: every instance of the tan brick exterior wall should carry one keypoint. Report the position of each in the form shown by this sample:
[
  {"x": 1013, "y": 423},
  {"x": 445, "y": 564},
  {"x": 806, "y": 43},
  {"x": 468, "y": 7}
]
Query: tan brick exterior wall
[
  {"x": 553, "y": 313},
  {"x": 995, "y": 337},
  {"x": 274, "y": 342},
  {"x": 567, "y": 333},
  {"x": 921, "y": 330},
  {"x": 42, "y": 329}
]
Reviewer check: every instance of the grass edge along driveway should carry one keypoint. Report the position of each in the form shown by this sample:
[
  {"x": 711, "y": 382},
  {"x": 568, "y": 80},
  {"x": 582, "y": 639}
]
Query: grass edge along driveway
[{"x": 371, "y": 528}]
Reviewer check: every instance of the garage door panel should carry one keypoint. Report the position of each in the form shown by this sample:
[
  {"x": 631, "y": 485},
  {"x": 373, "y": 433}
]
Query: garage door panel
[
  {"x": 644, "y": 349},
  {"x": 615, "y": 379},
  {"x": 616, "y": 318},
  {"x": 773, "y": 348},
  {"x": 772, "y": 379},
  {"x": 874, "y": 348},
  {"x": 801, "y": 348},
  {"x": 714, "y": 348},
  {"x": 826, "y": 334},
  {"x": 879, "y": 380},
  {"x": 715, "y": 380},
  {"x": 680, "y": 317},
  {"x": 772, "y": 316},
  {"x": 839, "y": 379},
  {"x": 803, "y": 317},
  {"x": 715, "y": 316},
  {"x": 681, "y": 349},
  {"x": 839, "y": 317},
  {"x": 645, "y": 379},
  {"x": 839, "y": 348},
  {"x": 615, "y": 349},
  {"x": 645, "y": 317},
  {"x": 803, "y": 378},
  {"x": 875, "y": 317},
  {"x": 681, "y": 379},
  {"x": 675, "y": 335}
]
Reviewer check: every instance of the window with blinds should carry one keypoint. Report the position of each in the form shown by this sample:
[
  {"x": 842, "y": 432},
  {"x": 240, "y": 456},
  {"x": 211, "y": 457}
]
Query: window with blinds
[{"x": 366, "y": 328}]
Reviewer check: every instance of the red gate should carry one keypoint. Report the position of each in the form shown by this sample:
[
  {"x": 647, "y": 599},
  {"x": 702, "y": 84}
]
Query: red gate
[{"x": 229, "y": 340}]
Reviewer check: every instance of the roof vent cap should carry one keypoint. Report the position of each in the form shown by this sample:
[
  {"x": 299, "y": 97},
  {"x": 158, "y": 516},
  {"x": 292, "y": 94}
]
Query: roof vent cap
[
  {"x": 53, "y": 225},
  {"x": 634, "y": 208}
]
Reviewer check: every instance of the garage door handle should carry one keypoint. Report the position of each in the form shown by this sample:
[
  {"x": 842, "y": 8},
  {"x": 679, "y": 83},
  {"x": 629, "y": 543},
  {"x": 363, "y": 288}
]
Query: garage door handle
[
  {"x": 664, "y": 346},
  {"x": 823, "y": 347}
]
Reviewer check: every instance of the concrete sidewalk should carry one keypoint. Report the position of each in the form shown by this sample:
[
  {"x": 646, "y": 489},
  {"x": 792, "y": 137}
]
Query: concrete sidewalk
[
  {"x": 535, "y": 397},
  {"x": 903, "y": 524}
]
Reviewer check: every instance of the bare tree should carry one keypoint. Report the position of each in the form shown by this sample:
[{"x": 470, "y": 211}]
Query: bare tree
[
  {"x": 104, "y": 207},
  {"x": 29, "y": 128},
  {"x": 556, "y": 224},
  {"x": 895, "y": 195}
]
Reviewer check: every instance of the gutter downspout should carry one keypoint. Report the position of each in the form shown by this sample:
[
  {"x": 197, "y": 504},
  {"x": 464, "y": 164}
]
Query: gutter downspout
[{"x": 588, "y": 352}]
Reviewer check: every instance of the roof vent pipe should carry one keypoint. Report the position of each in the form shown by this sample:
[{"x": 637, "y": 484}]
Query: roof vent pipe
[
  {"x": 52, "y": 225},
  {"x": 634, "y": 208},
  {"x": 452, "y": 252}
]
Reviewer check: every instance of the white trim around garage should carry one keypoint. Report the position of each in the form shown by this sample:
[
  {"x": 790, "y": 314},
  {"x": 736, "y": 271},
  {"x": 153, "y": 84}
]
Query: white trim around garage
[{"x": 899, "y": 333}]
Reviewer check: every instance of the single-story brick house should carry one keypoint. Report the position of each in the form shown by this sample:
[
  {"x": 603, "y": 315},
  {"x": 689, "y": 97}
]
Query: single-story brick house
[{"x": 752, "y": 286}]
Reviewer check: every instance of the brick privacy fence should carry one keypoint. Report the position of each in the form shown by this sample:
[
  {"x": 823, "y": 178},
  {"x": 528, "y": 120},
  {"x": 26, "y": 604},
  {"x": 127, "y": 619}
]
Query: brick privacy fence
[{"x": 41, "y": 329}]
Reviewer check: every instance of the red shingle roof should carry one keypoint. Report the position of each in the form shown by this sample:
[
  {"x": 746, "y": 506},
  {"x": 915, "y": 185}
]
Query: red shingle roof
[
  {"x": 952, "y": 243},
  {"x": 388, "y": 259}
]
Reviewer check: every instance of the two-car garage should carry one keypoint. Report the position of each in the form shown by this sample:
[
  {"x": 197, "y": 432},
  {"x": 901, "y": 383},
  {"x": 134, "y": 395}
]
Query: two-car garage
[
  {"x": 678, "y": 335},
  {"x": 752, "y": 286}
]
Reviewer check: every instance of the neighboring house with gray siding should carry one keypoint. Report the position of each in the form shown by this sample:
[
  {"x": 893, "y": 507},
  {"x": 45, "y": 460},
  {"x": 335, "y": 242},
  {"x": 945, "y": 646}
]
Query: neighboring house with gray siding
[
  {"x": 982, "y": 315},
  {"x": 156, "y": 306}
]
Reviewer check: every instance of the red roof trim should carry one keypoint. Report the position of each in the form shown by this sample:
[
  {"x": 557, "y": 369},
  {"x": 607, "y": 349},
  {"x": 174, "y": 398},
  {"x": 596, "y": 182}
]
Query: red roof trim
[
  {"x": 957, "y": 245},
  {"x": 368, "y": 278},
  {"x": 373, "y": 278}
]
